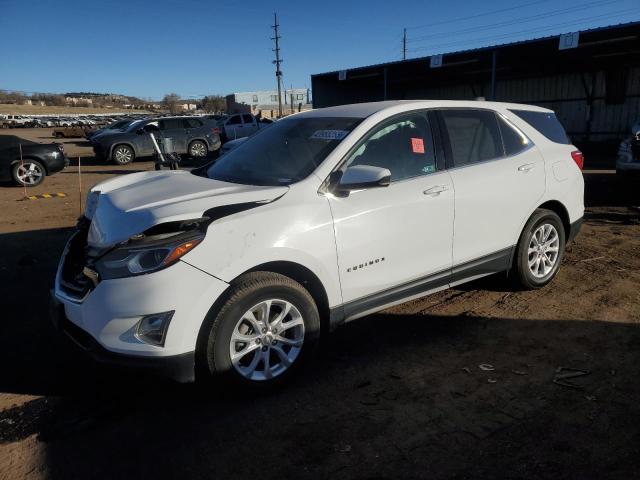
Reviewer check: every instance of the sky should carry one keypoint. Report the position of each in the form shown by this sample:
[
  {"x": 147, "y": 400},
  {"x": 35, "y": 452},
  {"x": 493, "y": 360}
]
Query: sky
[{"x": 194, "y": 48}]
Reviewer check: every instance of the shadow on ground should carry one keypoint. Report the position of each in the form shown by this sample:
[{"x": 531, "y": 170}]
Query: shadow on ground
[{"x": 391, "y": 396}]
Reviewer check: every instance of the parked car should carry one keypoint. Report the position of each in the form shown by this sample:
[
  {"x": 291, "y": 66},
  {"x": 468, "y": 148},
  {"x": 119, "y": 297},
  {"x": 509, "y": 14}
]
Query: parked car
[
  {"x": 114, "y": 127},
  {"x": 189, "y": 136},
  {"x": 628, "y": 161},
  {"x": 70, "y": 132},
  {"x": 38, "y": 160},
  {"x": 237, "y": 126},
  {"x": 235, "y": 269}
]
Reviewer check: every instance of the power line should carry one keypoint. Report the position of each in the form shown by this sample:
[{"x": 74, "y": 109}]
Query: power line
[
  {"x": 514, "y": 21},
  {"x": 459, "y": 19},
  {"x": 277, "y": 61},
  {"x": 534, "y": 30}
]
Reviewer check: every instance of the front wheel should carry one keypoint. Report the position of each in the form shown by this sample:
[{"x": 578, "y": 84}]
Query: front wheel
[
  {"x": 123, "y": 154},
  {"x": 268, "y": 327},
  {"x": 540, "y": 249},
  {"x": 28, "y": 173}
]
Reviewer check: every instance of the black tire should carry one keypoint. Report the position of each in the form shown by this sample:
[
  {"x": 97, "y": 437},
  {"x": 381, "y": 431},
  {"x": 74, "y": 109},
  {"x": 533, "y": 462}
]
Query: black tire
[
  {"x": 213, "y": 353},
  {"x": 34, "y": 178},
  {"x": 122, "y": 154},
  {"x": 523, "y": 273},
  {"x": 196, "y": 149},
  {"x": 58, "y": 135}
]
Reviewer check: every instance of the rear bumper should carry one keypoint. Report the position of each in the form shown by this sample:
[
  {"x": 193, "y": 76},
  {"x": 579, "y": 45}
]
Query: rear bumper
[
  {"x": 180, "y": 368},
  {"x": 574, "y": 230}
]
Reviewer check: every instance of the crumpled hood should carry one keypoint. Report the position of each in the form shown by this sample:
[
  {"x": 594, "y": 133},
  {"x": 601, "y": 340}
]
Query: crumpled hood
[{"x": 130, "y": 204}]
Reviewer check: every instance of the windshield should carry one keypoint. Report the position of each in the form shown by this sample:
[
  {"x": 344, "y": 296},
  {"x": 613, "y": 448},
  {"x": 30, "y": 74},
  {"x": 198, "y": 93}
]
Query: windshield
[
  {"x": 120, "y": 124},
  {"x": 285, "y": 153},
  {"x": 134, "y": 126}
]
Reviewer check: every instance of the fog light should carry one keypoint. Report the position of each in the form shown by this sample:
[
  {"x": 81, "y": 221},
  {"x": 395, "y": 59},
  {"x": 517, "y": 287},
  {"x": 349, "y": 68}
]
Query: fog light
[{"x": 152, "y": 329}]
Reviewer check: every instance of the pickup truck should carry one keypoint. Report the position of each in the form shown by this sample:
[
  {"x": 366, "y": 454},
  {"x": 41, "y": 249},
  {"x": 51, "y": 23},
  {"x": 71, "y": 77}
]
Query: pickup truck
[{"x": 77, "y": 131}]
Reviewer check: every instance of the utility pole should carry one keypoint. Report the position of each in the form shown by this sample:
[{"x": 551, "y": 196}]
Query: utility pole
[
  {"x": 404, "y": 44},
  {"x": 277, "y": 61}
]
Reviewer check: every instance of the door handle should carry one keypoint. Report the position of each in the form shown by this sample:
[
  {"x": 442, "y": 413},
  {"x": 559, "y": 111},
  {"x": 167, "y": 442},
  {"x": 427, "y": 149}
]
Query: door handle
[
  {"x": 526, "y": 167},
  {"x": 435, "y": 190}
]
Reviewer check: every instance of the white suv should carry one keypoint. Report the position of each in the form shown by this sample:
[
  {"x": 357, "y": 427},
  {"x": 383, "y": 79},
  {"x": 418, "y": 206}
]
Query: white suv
[{"x": 236, "y": 269}]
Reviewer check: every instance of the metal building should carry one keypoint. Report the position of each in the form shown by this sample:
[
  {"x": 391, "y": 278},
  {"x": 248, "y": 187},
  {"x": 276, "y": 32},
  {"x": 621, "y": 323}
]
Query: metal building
[
  {"x": 590, "y": 78},
  {"x": 266, "y": 100}
]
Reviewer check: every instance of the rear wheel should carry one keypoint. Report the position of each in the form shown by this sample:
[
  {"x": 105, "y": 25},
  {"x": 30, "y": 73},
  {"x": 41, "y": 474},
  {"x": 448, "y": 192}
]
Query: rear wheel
[
  {"x": 58, "y": 135},
  {"x": 198, "y": 149},
  {"x": 540, "y": 249},
  {"x": 28, "y": 173},
  {"x": 265, "y": 331},
  {"x": 122, "y": 154}
]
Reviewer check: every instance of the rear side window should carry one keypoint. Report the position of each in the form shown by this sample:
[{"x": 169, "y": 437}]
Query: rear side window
[
  {"x": 234, "y": 120},
  {"x": 171, "y": 124},
  {"x": 474, "y": 136},
  {"x": 513, "y": 139},
  {"x": 546, "y": 123},
  {"x": 247, "y": 118},
  {"x": 192, "y": 123}
]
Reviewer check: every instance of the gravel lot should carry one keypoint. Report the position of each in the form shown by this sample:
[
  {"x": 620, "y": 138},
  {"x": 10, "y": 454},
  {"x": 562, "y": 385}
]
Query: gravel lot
[{"x": 400, "y": 394}]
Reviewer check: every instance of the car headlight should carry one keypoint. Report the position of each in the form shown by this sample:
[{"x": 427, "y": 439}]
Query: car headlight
[{"x": 137, "y": 259}]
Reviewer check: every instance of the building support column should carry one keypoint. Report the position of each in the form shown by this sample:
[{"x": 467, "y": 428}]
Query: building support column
[
  {"x": 384, "y": 96},
  {"x": 494, "y": 56}
]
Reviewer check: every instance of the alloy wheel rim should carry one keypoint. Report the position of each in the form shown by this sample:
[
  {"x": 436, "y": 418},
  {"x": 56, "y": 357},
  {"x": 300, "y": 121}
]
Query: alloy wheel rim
[
  {"x": 544, "y": 249},
  {"x": 267, "y": 340},
  {"x": 123, "y": 154},
  {"x": 197, "y": 150},
  {"x": 29, "y": 173}
]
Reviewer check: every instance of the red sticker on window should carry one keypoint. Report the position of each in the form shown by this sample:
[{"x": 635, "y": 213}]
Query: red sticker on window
[{"x": 417, "y": 145}]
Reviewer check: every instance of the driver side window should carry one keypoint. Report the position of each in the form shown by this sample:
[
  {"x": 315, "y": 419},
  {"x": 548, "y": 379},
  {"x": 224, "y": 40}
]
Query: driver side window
[{"x": 403, "y": 145}]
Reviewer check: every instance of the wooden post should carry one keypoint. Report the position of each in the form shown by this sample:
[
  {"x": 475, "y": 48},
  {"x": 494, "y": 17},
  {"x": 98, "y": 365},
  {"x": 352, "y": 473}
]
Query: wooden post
[
  {"x": 80, "y": 184},
  {"x": 24, "y": 185}
]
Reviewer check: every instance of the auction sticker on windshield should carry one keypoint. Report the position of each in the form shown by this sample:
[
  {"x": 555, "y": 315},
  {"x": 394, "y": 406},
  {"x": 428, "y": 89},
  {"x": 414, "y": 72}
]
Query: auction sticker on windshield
[{"x": 329, "y": 134}]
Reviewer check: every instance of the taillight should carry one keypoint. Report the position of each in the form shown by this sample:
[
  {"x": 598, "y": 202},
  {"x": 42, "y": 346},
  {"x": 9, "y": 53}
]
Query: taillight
[
  {"x": 215, "y": 131},
  {"x": 578, "y": 157}
]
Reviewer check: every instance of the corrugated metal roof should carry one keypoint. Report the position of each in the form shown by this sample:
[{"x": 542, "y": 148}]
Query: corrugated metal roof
[{"x": 480, "y": 49}]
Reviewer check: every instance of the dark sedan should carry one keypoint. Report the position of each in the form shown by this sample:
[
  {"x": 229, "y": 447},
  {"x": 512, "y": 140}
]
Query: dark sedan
[{"x": 38, "y": 160}]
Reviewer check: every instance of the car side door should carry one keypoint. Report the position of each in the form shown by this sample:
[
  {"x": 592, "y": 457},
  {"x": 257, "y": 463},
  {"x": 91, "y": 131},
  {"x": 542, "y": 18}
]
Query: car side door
[
  {"x": 174, "y": 129},
  {"x": 498, "y": 177},
  {"x": 250, "y": 124},
  {"x": 233, "y": 127},
  {"x": 393, "y": 242}
]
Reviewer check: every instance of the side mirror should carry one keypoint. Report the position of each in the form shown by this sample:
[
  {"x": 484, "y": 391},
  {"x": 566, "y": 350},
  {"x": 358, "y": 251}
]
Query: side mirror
[
  {"x": 361, "y": 177},
  {"x": 140, "y": 131}
]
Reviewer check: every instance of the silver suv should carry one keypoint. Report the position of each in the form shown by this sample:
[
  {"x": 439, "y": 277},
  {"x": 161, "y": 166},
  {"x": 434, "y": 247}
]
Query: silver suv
[{"x": 189, "y": 135}]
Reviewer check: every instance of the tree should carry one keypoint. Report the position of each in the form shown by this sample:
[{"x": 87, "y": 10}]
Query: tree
[
  {"x": 213, "y": 103},
  {"x": 171, "y": 101}
]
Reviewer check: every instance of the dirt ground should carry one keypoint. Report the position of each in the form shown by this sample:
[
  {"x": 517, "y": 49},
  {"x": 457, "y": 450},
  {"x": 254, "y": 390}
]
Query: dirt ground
[{"x": 400, "y": 394}]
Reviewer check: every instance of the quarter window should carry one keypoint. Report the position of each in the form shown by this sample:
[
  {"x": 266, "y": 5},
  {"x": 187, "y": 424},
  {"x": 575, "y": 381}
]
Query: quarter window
[
  {"x": 474, "y": 136},
  {"x": 546, "y": 123},
  {"x": 513, "y": 139},
  {"x": 403, "y": 145}
]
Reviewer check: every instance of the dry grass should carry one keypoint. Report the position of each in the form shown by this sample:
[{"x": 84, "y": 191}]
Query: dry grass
[{"x": 8, "y": 109}]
